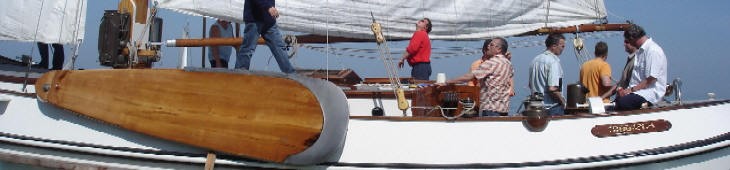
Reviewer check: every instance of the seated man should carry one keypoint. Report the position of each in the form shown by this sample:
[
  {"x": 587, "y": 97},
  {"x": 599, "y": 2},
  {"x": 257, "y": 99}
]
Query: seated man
[
  {"x": 596, "y": 74},
  {"x": 649, "y": 76}
]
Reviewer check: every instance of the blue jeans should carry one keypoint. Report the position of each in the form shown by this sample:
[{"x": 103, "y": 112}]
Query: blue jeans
[
  {"x": 421, "y": 71},
  {"x": 556, "y": 111},
  {"x": 224, "y": 63},
  {"x": 273, "y": 40},
  {"x": 632, "y": 101},
  {"x": 491, "y": 113}
]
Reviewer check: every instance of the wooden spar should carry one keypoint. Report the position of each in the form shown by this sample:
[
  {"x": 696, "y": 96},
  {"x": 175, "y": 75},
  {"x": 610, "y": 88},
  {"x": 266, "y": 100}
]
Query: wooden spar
[
  {"x": 578, "y": 29},
  {"x": 308, "y": 39}
]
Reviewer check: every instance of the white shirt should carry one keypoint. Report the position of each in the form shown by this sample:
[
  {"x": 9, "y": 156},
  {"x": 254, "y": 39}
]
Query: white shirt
[{"x": 650, "y": 62}]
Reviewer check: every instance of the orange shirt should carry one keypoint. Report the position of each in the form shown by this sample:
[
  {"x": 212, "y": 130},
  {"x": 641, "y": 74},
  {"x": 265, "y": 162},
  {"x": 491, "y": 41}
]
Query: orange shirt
[
  {"x": 590, "y": 76},
  {"x": 474, "y": 66}
]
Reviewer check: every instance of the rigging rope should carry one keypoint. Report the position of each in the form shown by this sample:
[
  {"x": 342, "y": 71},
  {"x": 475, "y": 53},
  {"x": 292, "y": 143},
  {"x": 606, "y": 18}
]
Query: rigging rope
[
  {"x": 71, "y": 64},
  {"x": 389, "y": 66},
  {"x": 37, "y": 25},
  {"x": 327, "y": 68}
]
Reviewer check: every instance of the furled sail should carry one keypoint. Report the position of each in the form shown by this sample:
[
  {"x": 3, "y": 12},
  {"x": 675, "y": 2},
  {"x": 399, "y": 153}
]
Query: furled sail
[
  {"x": 49, "y": 21},
  {"x": 452, "y": 20}
]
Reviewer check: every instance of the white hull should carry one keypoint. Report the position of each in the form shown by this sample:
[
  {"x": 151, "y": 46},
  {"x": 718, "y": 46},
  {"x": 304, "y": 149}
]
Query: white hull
[
  {"x": 506, "y": 143},
  {"x": 698, "y": 138}
]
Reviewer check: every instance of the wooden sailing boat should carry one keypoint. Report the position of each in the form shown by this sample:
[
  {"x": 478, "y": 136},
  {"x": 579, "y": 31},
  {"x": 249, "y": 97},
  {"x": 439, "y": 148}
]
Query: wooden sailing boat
[{"x": 149, "y": 130}]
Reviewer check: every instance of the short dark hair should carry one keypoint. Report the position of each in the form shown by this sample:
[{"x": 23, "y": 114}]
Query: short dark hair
[
  {"x": 428, "y": 26},
  {"x": 601, "y": 49},
  {"x": 634, "y": 32},
  {"x": 486, "y": 44},
  {"x": 503, "y": 44},
  {"x": 553, "y": 39}
]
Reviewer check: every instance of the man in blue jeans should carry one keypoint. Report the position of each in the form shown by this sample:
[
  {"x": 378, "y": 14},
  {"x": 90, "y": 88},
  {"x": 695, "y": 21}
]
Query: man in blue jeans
[{"x": 260, "y": 19}]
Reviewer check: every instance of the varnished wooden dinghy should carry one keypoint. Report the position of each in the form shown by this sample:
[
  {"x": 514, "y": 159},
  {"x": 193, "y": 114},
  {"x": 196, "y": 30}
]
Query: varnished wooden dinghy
[{"x": 260, "y": 115}]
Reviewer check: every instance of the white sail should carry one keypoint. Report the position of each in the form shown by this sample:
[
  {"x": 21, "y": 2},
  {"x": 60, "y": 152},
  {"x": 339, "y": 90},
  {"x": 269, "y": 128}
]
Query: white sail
[
  {"x": 49, "y": 21},
  {"x": 454, "y": 20}
]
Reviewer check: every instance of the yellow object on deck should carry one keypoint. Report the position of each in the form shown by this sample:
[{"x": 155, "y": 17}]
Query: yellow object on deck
[{"x": 402, "y": 103}]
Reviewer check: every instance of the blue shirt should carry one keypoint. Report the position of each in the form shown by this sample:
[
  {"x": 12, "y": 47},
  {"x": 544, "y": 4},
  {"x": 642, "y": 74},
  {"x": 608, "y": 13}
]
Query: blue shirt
[{"x": 545, "y": 71}]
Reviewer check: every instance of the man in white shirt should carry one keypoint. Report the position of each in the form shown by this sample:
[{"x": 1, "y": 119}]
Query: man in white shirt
[{"x": 649, "y": 76}]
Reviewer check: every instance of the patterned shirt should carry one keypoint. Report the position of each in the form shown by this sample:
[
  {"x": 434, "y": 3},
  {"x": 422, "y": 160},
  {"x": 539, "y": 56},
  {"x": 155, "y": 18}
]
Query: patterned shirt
[{"x": 495, "y": 75}]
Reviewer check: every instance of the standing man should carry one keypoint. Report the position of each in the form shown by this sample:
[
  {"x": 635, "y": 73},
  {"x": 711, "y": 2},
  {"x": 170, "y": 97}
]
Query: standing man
[
  {"x": 649, "y": 76},
  {"x": 220, "y": 55},
  {"x": 418, "y": 52},
  {"x": 494, "y": 75},
  {"x": 58, "y": 56},
  {"x": 475, "y": 65},
  {"x": 596, "y": 74},
  {"x": 260, "y": 20},
  {"x": 546, "y": 74}
]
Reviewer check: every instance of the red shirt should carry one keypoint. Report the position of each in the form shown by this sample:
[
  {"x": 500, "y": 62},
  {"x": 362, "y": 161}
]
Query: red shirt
[{"x": 419, "y": 48}]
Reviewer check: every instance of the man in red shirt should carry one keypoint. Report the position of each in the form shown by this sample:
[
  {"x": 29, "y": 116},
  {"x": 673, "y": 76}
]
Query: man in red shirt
[{"x": 418, "y": 52}]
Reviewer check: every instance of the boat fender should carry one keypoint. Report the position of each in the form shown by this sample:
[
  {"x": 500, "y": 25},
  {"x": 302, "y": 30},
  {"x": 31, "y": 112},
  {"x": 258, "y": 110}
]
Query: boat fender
[{"x": 329, "y": 145}]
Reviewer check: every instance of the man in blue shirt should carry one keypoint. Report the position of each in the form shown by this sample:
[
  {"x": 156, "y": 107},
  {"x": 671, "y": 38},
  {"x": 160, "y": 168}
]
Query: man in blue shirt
[
  {"x": 260, "y": 20},
  {"x": 546, "y": 74}
]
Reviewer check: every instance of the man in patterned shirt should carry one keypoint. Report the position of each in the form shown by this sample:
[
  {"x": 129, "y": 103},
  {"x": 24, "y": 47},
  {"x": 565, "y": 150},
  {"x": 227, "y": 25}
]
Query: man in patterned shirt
[{"x": 494, "y": 75}]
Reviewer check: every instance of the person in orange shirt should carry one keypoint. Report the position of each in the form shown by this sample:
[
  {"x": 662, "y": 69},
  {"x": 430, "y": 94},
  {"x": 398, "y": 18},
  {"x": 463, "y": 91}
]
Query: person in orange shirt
[{"x": 595, "y": 74}]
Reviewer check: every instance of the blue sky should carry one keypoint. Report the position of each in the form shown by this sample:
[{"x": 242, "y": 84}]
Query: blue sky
[{"x": 694, "y": 35}]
